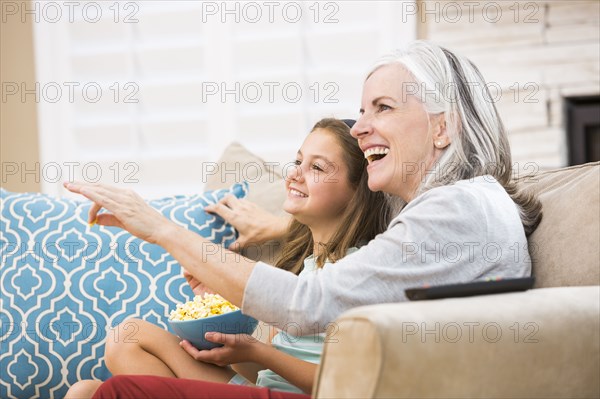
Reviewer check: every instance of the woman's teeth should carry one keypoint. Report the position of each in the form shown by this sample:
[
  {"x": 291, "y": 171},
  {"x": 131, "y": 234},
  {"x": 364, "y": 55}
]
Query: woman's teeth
[
  {"x": 297, "y": 193},
  {"x": 376, "y": 153}
]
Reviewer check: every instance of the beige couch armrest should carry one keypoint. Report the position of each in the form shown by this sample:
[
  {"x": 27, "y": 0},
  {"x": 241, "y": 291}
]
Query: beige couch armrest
[{"x": 539, "y": 343}]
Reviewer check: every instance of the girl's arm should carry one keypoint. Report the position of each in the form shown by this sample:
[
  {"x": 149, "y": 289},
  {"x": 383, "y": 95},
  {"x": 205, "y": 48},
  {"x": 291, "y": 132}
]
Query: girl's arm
[
  {"x": 244, "y": 348},
  {"x": 297, "y": 372},
  {"x": 249, "y": 370},
  {"x": 254, "y": 224}
]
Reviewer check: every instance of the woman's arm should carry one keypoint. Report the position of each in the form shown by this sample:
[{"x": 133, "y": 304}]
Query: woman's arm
[
  {"x": 218, "y": 269},
  {"x": 440, "y": 237}
]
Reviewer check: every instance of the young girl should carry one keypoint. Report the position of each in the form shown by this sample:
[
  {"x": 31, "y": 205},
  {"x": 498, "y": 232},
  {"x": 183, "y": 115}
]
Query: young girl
[{"x": 333, "y": 212}]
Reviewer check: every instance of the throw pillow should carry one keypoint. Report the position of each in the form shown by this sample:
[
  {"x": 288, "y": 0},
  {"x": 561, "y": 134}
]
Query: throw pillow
[
  {"x": 64, "y": 284},
  {"x": 267, "y": 188}
]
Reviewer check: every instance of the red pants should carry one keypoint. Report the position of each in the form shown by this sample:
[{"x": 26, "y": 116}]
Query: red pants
[{"x": 144, "y": 386}]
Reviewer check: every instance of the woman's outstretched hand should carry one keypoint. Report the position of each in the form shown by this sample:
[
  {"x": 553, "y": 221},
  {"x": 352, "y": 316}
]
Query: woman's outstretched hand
[
  {"x": 237, "y": 348},
  {"x": 126, "y": 210},
  {"x": 254, "y": 224}
]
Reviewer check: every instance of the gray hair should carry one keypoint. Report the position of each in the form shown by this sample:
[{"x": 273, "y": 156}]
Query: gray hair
[{"x": 450, "y": 84}]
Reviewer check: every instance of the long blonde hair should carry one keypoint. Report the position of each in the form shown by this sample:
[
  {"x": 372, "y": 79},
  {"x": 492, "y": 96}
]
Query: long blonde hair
[{"x": 366, "y": 215}]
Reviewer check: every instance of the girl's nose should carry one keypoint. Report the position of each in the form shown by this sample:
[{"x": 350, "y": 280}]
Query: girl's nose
[{"x": 294, "y": 173}]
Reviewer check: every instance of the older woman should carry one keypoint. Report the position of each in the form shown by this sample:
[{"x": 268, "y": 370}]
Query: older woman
[{"x": 434, "y": 139}]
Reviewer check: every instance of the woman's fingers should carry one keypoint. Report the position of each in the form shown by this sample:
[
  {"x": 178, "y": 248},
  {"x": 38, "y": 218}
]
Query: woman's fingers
[
  {"x": 99, "y": 197},
  {"x": 81, "y": 187},
  {"x": 106, "y": 219},
  {"x": 126, "y": 209},
  {"x": 74, "y": 186},
  {"x": 93, "y": 213},
  {"x": 97, "y": 193}
]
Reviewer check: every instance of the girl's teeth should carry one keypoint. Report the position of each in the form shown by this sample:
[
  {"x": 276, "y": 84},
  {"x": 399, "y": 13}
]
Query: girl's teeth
[{"x": 297, "y": 193}]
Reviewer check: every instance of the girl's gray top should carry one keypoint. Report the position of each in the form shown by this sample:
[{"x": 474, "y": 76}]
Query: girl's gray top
[{"x": 457, "y": 233}]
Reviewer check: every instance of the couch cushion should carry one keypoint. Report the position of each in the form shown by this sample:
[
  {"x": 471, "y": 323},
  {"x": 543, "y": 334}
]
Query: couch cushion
[
  {"x": 564, "y": 247},
  {"x": 543, "y": 343},
  {"x": 267, "y": 188},
  {"x": 63, "y": 283}
]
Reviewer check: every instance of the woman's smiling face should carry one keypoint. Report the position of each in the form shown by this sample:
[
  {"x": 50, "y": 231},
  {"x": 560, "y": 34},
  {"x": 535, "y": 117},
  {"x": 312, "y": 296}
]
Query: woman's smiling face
[{"x": 395, "y": 132}]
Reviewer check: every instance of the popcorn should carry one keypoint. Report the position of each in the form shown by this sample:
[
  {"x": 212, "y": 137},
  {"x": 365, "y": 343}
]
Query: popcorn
[{"x": 201, "y": 307}]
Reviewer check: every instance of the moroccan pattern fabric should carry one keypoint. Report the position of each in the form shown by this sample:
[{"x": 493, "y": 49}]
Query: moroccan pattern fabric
[{"x": 64, "y": 283}]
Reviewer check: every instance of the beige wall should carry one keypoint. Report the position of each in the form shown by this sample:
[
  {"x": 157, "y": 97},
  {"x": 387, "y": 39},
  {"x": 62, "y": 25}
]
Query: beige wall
[
  {"x": 18, "y": 120},
  {"x": 553, "y": 45},
  {"x": 538, "y": 53}
]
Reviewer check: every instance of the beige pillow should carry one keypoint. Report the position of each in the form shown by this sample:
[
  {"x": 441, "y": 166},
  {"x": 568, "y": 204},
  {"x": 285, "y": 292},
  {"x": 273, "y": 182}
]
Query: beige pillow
[
  {"x": 564, "y": 247},
  {"x": 267, "y": 188}
]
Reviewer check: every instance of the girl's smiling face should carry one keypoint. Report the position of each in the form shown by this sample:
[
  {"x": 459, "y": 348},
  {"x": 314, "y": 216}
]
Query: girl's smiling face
[
  {"x": 396, "y": 133},
  {"x": 318, "y": 189}
]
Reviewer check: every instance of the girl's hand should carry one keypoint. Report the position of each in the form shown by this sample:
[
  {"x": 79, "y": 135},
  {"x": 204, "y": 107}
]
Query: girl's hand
[
  {"x": 197, "y": 286},
  {"x": 126, "y": 210},
  {"x": 237, "y": 348},
  {"x": 254, "y": 224}
]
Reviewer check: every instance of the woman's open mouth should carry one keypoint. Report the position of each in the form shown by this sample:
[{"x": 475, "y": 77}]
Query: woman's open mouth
[{"x": 376, "y": 153}]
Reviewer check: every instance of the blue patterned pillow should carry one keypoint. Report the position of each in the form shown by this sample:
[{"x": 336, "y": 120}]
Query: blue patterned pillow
[{"x": 64, "y": 283}]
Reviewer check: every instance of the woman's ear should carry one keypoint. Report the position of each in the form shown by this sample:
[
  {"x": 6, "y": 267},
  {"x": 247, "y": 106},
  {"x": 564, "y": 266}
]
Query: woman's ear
[{"x": 440, "y": 136}]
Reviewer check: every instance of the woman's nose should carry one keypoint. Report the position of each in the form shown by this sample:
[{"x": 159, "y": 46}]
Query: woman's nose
[{"x": 361, "y": 128}]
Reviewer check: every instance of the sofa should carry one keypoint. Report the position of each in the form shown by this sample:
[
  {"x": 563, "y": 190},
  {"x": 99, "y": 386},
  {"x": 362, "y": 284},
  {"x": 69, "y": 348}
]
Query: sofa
[{"x": 539, "y": 343}]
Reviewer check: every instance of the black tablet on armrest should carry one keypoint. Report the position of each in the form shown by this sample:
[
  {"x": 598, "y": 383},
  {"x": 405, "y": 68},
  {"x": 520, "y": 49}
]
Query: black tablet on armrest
[{"x": 470, "y": 289}]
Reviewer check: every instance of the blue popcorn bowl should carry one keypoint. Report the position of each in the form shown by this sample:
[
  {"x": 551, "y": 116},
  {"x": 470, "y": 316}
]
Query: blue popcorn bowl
[{"x": 229, "y": 323}]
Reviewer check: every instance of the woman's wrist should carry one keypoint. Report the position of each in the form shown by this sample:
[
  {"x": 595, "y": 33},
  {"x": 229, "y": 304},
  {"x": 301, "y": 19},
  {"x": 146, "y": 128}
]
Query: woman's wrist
[{"x": 165, "y": 231}]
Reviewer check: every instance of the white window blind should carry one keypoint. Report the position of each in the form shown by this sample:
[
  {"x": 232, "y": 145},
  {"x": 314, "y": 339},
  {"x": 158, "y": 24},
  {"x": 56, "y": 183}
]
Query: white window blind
[{"x": 179, "y": 80}]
